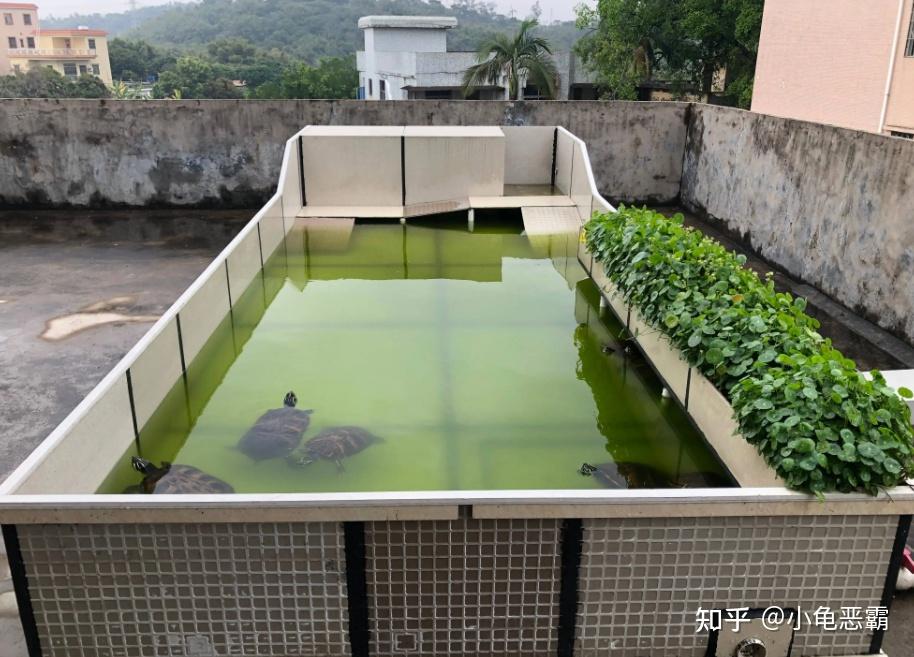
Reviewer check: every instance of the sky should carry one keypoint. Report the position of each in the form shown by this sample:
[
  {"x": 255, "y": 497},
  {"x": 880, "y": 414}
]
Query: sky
[{"x": 552, "y": 9}]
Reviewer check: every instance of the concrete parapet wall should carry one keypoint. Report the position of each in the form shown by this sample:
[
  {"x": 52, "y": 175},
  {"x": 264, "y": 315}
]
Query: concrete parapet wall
[
  {"x": 225, "y": 152},
  {"x": 831, "y": 206}
]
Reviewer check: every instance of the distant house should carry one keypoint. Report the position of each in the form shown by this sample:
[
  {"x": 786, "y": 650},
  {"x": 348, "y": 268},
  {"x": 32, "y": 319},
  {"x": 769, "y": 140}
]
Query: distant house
[
  {"x": 70, "y": 51},
  {"x": 805, "y": 70},
  {"x": 406, "y": 58}
]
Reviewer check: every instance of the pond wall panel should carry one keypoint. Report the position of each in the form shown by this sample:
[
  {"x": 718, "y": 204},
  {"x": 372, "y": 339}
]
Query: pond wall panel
[
  {"x": 188, "y": 589},
  {"x": 85, "y": 452},
  {"x": 529, "y": 150},
  {"x": 244, "y": 263},
  {"x": 155, "y": 371},
  {"x": 272, "y": 228},
  {"x": 714, "y": 415},
  {"x": 204, "y": 311},
  {"x": 644, "y": 579}
]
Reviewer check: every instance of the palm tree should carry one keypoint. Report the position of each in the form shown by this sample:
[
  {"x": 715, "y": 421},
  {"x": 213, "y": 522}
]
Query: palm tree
[{"x": 521, "y": 58}]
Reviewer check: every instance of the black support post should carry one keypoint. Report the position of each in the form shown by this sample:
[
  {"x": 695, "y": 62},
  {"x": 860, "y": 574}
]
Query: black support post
[
  {"x": 136, "y": 428},
  {"x": 403, "y": 170},
  {"x": 21, "y": 587},
  {"x": 888, "y": 591},
  {"x": 572, "y": 538},
  {"x": 555, "y": 147},
  {"x": 356, "y": 587}
]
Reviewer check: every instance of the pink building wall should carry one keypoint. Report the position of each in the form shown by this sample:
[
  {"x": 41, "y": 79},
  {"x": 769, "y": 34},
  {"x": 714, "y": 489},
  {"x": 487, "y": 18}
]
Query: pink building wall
[
  {"x": 828, "y": 61},
  {"x": 18, "y": 30},
  {"x": 900, "y": 114}
]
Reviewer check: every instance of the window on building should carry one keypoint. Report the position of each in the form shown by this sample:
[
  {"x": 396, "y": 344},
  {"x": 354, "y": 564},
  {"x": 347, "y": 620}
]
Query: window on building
[
  {"x": 83, "y": 69},
  {"x": 909, "y": 46},
  {"x": 903, "y": 135},
  {"x": 95, "y": 69},
  {"x": 69, "y": 69},
  {"x": 91, "y": 44},
  {"x": 370, "y": 87},
  {"x": 438, "y": 94},
  {"x": 16, "y": 68},
  {"x": 7, "y": 19},
  {"x": 26, "y": 19},
  {"x": 11, "y": 41},
  {"x": 383, "y": 89},
  {"x": 30, "y": 42}
]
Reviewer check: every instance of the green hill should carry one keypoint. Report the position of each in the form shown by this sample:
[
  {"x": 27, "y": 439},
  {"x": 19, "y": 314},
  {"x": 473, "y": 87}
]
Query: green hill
[
  {"x": 302, "y": 29},
  {"x": 114, "y": 24}
]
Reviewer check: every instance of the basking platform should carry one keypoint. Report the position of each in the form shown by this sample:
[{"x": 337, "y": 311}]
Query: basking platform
[{"x": 424, "y": 209}]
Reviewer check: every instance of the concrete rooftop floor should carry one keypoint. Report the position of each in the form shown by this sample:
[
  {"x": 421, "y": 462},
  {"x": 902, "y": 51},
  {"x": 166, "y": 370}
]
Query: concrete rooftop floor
[{"x": 127, "y": 267}]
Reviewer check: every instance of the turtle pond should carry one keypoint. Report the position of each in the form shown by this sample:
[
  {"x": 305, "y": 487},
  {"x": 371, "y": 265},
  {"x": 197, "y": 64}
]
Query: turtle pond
[{"x": 424, "y": 356}]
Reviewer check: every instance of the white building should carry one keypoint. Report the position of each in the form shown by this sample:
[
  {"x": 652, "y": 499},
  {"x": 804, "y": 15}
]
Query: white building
[{"x": 406, "y": 58}]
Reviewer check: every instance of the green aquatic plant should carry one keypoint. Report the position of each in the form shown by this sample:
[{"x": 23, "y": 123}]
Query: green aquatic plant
[{"x": 818, "y": 421}]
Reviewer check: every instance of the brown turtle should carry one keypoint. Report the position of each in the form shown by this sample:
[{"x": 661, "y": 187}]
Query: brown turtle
[
  {"x": 335, "y": 444},
  {"x": 175, "y": 480},
  {"x": 277, "y": 432}
]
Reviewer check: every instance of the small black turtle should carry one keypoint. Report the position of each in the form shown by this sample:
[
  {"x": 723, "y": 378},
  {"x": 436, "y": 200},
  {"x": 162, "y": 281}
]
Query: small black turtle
[
  {"x": 334, "y": 444},
  {"x": 175, "y": 480},
  {"x": 277, "y": 432}
]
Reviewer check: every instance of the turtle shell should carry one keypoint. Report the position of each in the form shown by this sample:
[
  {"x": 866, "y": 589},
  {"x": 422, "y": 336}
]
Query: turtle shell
[
  {"x": 336, "y": 443},
  {"x": 181, "y": 480},
  {"x": 275, "y": 434}
]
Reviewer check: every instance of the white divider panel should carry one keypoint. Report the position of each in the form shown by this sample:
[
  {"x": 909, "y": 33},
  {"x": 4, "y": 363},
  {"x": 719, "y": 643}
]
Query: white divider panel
[
  {"x": 444, "y": 164},
  {"x": 155, "y": 371},
  {"x": 89, "y": 447},
  {"x": 289, "y": 188},
  {"x": 272, "y": 230},
  {"x": 665, "y": 357},
  {"x": 714, "y": 416},
  {"x": 244, "y": 263},
  {"x": 564, "y": 157},
  {"x": 203, "y": 312},
  {"x": 528, "y": 155},
  {"x": 352, "y": 165},
  {"x": 581, "y": 192}
]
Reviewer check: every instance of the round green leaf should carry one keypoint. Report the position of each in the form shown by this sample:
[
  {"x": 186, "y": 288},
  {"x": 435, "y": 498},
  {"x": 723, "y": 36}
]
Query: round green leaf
[{"x": 714, "y": 356}]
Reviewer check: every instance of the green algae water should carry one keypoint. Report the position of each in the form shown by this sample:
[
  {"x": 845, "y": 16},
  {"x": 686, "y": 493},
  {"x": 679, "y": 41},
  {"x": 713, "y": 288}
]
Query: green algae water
[{"x": 480, "y": 358}]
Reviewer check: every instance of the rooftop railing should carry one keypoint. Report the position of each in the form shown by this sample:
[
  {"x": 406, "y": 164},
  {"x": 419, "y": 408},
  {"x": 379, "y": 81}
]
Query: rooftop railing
[{"x": 51, "y": 52}]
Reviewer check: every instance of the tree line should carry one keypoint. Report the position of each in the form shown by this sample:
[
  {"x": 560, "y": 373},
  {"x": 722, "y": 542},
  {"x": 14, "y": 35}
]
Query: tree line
[
  {"x": 215, "y": 71},
  {"x": 305, "y": 48}
]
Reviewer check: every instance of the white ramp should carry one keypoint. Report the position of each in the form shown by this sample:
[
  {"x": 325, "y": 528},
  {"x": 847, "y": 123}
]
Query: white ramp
[
  {"x": 554, "y": 232},
  {"x": 542, "y": 221}
]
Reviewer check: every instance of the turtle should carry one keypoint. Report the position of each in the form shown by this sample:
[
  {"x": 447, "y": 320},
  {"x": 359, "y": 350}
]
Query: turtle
[
  {"x": 334, "y": 444},
  {"x": 169, "y": 479},
  {"x": 277, "y": 432}
]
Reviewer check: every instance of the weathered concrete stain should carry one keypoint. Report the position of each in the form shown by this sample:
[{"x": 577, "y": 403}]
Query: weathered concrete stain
[
  {"x": 830, "y": 206},
  {"x": 90, "y": 153},
  {"x": 99, "y": 313}
]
